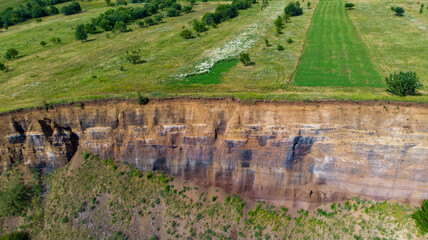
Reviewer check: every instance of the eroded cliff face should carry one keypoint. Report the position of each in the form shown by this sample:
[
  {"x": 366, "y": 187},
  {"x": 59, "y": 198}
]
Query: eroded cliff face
[{"x": 299, "y": 154}]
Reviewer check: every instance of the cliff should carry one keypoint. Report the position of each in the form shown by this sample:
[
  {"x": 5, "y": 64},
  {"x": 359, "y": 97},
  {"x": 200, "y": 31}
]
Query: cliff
[{"x": 300, "y": 154}]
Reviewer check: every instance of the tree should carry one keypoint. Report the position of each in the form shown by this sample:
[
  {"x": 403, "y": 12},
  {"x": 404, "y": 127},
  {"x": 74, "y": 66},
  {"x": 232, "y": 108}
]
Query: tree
[
  {"x": 188, "y": 8},
  {"x": 186, "y": 34},
  {"x": 245, "y": 58},
  {"x": 309, "y": 4},
  {"x": 108, "y": 2},
  {"x": 280, "y": 47},
  {"x": 279, "y": 24},
  {"x": 80, "y": 33},
  {"x": 53, "y": 10},
  {"x": 349, "y": 6},
  {"x": 293, "y": 9},
  {"x": 11, "y": 53},
  {"x": 399, "y": 11},
  {"x": 43, "y": 43},
  {"x": 403, "y": 83},
  {"x": 90, "y": 28},
  {"x": 421, "y": 217}
]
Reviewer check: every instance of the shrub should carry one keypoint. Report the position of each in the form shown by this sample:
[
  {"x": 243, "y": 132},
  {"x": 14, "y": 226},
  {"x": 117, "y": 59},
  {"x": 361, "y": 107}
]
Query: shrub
[
  {"x": 293, "y": 9},
  {"x": 14, "y": 198},
  {"x": 64, "y": 219},
  {"x": 172, "y": 12},
  {"x": 73, "y": 8},
  {"x": 158, "y": 18},
  {"x": 289, "y": 40},
  {"x": 133, "y": 56},
  {"x": 286, "y": 17},
  {"x": 142, "y": 100},
  {"x": 43, "y": 43},
  {"x": 187, "y": 9},
  {"x": 349, "y": 6},
  {"x": 199, "y": 26},
  {"x": 120, "y": 26},
  {"x": 245, "y": 58},
  {"x": 186, "y": 34},
  {"x": 267, "y": 43},
  {"x": 15, "y": 236},
  {"x": 149, "y": 22},
  {"x": 279, "y": 24},
  {"x": 309, "y": 4},
  {"x": 11, "y": 53},
  {"x": 3, "y": 67},
  {"x": 280, "y": 47},
  {"x": 56, "y": 40},
  {"x": 421, "y": 217},
  {"x": 399, "y": 11},
  {"x": 403, "y": 83}
]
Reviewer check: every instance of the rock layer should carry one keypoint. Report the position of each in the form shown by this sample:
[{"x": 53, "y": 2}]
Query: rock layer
[{"x": 300, "y": 154}]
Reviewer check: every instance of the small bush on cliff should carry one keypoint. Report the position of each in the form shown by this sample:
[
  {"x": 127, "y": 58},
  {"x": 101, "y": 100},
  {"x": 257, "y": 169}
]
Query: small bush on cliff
[
  {"x": 421, "y": 217},
  {"x": 403, "y": 83},
  {"x": 14, "y": 197}
]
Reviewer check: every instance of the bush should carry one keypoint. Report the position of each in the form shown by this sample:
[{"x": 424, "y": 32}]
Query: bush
[
  {"x": 172, "y": 12},
  {"x": 199, "y": 26},
  {"x": 403, "y": 83},
  {"x": 187, "y": 9},
  {"x": 142, "y": 100},
  {"x": 11, "y": 53},
  {"x": 43, "y": 43},
  {"x": 3, "y": 67},
  {"x": 15, "y": 236},
  {"x": 245, "y": 58},
  {"x": 289, "y": 40},
  {"x": 280, "y": 47},
  {"x": 279, "y": 24},
  {"x": 120, "y": 26},
  {"x": 56, "y": 40},
  {"x": 73, "y": 8},
  {"x": 349, "y": 6},
  {"x": 186, "y": 34},
  {"x": 421, "y": 217},
  {"x": 14, "y": 198},
  {"x": 399, "y": 11},
  {"x": 293, "y": 9},
  {"x": 133, "y": 57}
]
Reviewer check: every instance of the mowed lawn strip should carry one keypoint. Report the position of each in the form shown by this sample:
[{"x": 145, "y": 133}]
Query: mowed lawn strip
[{"x": 334, "y": 55}]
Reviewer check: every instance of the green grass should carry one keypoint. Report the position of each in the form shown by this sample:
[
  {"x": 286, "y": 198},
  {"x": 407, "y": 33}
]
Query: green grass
[
  {"x": 334, "y": 55},
  {"x": 11, "y": 3},
  {"x": 213, "y": 76}
]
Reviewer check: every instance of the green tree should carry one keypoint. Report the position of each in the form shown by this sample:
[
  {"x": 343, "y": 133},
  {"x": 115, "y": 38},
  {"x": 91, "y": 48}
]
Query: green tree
[
  {"x": 245, "y": 58},
  {"x": 108, "y": 2},
  {"x": 293, "y": 9},
  {"x": 421, "y": 217},
  {"x": 349, "y": 6},
  {"x": 90, "y": 28},
  {"x": 172, "y": 12},
  {"x": 286, "y": 17},
  {"x": 309, "y": 4},
  {"x": 279, "y": 24},
  {"x": 80, "y": 33},
  {"x": 399, "y": 11},
  {"x": 120, "y": 26},
  {"x": 11, "y": 53},
  {"x": 403, "y": 83},
  {"x": 43, "y": 43}
]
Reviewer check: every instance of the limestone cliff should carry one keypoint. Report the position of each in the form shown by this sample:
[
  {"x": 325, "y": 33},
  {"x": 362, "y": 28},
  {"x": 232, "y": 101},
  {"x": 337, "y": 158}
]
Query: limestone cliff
[{"x": 289, "y": 153}]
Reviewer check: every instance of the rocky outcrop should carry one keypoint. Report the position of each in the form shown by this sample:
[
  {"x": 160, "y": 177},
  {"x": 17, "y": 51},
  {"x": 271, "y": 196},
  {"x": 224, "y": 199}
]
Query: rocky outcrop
[{"x": 288, "y": 153}]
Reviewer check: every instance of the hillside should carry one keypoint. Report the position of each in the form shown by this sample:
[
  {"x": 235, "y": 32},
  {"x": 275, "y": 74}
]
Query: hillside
[{"x": 103, "y": 199}]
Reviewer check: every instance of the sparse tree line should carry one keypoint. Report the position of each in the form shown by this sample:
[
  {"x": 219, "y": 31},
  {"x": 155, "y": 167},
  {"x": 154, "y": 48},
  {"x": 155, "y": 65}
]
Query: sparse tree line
[
  {"x": 222, "y": 13},
  {"x": 34, "y": 9},
  {"x": 118, "y": 19}
]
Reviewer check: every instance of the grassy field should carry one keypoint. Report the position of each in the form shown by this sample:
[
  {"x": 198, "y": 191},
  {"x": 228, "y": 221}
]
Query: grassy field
[
  {"x": 394, "y": 43},
  {"x": 103, "y": 199},
  {"x": 11, "y": 3},
  {"x": 97, "y": 69},
  {"x": 334, "y": 55}
]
